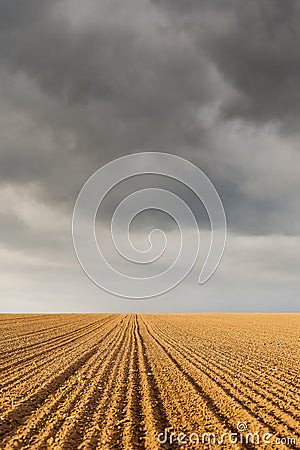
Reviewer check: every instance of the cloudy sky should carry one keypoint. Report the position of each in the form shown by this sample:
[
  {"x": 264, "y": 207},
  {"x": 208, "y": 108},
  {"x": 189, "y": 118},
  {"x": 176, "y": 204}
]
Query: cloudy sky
[{"x": 82, "y": 83}]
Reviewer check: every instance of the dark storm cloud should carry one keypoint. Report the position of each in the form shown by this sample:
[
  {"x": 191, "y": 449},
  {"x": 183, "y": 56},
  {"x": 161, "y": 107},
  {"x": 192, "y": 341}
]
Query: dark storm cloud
[
  {"x": 256, "y": 46},
  {"x": 119, "y": 84},
  {"x": 85, "y": 84},
  {"x": 260, "y": 56},
  {"x": 142, "y": 69},
  {"x": 82, "y": 83}
]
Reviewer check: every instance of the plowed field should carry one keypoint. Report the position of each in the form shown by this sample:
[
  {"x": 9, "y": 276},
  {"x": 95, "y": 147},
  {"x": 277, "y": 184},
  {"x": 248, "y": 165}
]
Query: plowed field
[{"x": 149, "y": 381}]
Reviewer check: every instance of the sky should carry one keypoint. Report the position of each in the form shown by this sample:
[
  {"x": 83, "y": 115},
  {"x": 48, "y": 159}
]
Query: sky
[{"x": 214, "y": 82}]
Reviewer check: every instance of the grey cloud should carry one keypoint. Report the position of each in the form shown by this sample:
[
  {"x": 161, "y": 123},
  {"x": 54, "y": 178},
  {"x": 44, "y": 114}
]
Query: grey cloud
[
  {"x": 214, "y": 82},
  {"x": 255, "y": 47},
  {"x": 140, "y": 69},
  {"x": 136, "y": 79},
  {"x": 258, "y": 53},
  {"x": 118, "y": 86}
]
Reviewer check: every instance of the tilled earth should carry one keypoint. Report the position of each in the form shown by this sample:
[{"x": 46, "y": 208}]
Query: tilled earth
[{"x": 100, "y": 381}]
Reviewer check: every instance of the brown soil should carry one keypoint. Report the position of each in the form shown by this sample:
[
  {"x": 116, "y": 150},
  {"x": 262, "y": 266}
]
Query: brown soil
[{"x": 100, "y": 381}]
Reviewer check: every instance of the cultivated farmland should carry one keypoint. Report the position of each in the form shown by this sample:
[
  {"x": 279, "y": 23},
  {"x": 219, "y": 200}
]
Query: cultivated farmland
[{"x": 100, "y": 381}]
